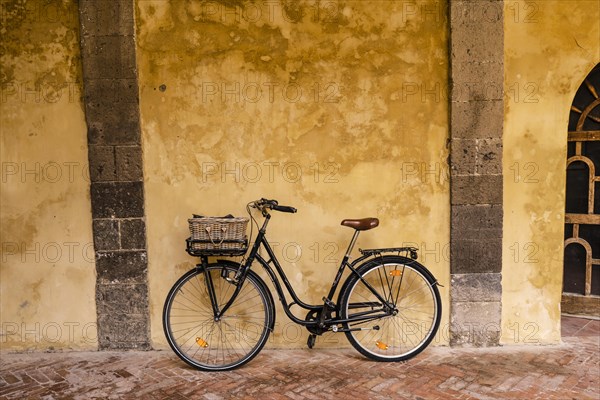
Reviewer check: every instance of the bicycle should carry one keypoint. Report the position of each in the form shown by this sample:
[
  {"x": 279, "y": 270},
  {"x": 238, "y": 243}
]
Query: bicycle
[{"x": 218, "y": 316}]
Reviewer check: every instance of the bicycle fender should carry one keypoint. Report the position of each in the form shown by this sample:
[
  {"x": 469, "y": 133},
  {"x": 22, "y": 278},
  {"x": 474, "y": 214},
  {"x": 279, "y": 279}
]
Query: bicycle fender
[{"x": 232, "y": 264}]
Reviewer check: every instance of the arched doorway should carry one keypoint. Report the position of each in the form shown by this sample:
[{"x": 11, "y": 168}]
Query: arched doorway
[{"x": 581, "y": 276}]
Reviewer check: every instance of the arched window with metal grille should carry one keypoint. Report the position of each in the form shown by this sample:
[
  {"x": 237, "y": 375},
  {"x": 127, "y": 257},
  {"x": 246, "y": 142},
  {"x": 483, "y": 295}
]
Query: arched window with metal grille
[{"x": 581, "y": 277}]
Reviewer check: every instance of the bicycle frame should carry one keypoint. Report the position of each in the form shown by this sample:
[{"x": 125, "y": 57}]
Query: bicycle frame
[{"x": 261, "y": 240}]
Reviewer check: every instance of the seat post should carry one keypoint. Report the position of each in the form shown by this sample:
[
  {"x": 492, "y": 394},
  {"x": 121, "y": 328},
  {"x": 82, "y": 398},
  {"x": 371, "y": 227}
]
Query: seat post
[
  {"x": 352, "y": 242},
  {"x": 337, "y": 278}
]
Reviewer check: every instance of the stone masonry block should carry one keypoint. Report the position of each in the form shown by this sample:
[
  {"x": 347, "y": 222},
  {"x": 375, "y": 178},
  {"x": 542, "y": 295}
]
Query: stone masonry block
[
  {"x": 117, "y": 124},
  {"x": 121, "y": 266},
  {"x": 475, "y": 324},
  {"x": 129, "y": 163},
  {"x": 476, "y": 221},
  {"x": 106, "y": 17},
  {"x": 476, "y": 287},
  {"x": 477, "y": 31},
  {"x": 106, "y": 234},
  {"x": 122, "y": 331},
  {"x": 480, "y": 11},
  {"x": 489, "y": 157},
  {"x": 470, "y": 44},
  {"x": 477, "y": 119},
  {"x": 463, "y": 156},
  {"x": 102, "y": 163},
  {"x": 468, "y": 85},
  {"x": 476, "y": 189},
  {"x": 478, "y": 313},
  {"x": 117, "y": 200},
  {"x": 469, "y": 256},
  {"x": 476, "y": 239},
  {"x": 129, "y": 299},
  {"x": 108, "y": 57},
  {"x": 476, "y": 156},
  {"x": 133, "y": 234},
  {"x": 111, "y": 92}
]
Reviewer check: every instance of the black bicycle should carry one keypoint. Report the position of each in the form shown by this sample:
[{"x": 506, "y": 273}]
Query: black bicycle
[{"x": 219, "y": 315}]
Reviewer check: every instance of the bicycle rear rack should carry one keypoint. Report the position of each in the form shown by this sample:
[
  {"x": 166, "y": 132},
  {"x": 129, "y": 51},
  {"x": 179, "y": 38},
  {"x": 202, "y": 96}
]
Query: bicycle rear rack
[{"x": 412, "y": 251}]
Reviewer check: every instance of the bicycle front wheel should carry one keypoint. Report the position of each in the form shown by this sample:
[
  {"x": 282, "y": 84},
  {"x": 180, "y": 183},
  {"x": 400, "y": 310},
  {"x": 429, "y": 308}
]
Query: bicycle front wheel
[
  {"x": 217, "y": 344},
  {"x": 403, "y": 325}
]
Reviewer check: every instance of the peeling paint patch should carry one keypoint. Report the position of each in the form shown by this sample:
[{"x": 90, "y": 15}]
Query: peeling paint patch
[
  {"x": 46, "y": 218},
  {"x": 323, "y": 105}
]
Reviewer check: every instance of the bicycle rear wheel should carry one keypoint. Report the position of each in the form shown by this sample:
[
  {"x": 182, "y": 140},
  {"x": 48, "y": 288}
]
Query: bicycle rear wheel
[
  {"x": 225, "y": 343},
  {"x": 412, "y": 313}
]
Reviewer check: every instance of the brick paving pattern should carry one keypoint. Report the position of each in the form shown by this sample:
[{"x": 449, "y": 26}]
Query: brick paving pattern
[{"x": 567, "y": 371}]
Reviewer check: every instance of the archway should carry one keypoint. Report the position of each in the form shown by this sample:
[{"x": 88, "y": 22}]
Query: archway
[{"x": 581, "y": 276}]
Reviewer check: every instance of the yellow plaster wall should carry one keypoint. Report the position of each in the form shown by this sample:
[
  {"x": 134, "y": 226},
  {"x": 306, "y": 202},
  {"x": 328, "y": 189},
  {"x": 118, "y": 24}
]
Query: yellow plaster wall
[
  {"x": 550, "y": 47},
  {"x": 47, "y": 273},
  {"x": 338, "y": 108}
]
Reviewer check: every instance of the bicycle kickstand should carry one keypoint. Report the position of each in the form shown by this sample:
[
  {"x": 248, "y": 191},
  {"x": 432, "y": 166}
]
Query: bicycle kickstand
[{"x": 311, "y": 340}]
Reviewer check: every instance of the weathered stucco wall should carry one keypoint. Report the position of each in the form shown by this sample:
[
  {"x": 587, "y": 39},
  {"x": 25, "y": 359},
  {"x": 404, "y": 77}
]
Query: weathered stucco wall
[
  {"x": 550, "y": 47},
  {"x": 47, "y": 266},
  {"x": 338, "y": 108}
]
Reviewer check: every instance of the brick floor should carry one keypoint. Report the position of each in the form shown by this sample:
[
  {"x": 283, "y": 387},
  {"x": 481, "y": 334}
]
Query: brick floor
[{"x": 567, "y": 371}]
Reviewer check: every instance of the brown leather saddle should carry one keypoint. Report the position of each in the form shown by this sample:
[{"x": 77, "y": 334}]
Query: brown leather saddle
[{"x": 363, "y": 224}]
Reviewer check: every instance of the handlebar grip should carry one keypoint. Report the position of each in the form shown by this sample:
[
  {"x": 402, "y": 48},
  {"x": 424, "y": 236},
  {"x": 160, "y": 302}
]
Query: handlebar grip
[{"x": 286, "y": 209}]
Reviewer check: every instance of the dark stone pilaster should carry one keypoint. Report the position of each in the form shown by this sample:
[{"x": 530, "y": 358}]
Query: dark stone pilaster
[
  {"x": 116, "y": 172},
  {"x": 476, "y": 127}
]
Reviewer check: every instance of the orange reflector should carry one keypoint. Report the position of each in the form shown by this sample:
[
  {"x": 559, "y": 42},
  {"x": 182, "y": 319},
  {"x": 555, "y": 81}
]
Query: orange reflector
[
  {"x": 201, "y": 342},
  {"x": 396, "y": 272},
  {"x": 382, "y": 345}
]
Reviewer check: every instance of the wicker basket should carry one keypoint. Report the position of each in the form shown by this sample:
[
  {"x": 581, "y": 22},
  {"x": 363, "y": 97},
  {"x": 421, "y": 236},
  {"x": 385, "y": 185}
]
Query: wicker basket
[{"x": 217, "y": 236}]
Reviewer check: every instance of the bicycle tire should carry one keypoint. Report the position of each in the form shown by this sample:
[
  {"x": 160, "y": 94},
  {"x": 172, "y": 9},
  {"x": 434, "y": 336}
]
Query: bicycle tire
[
  {"x": 217, "y": 345},
  {"x": 412, "y": 290}
]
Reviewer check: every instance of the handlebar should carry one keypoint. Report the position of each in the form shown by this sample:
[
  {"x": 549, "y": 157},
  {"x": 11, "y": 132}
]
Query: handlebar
[
  {"x": 266, "y": 204},
  {"x": 285, "y": 209}
]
